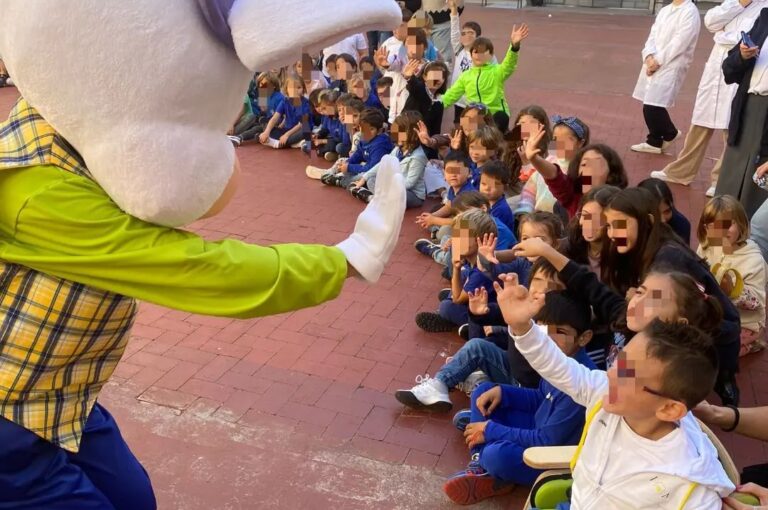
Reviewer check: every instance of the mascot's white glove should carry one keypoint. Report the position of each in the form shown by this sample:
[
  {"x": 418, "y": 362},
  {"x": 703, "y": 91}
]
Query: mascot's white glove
[{"x": 378, "y": 227}]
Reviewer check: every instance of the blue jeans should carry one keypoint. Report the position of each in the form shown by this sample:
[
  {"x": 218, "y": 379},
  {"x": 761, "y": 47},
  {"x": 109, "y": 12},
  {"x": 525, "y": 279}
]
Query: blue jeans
[
  {"x": 103, "y": 475},
  {"x": 477, "y": 354},
  {"x": 760, "y": 228},
  {"x": 456, "y": 313},
  {"x": 504, "y": 459}
]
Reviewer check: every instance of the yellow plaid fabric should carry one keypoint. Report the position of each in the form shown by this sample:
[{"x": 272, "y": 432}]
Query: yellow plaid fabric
[{"x": 60, "y": 341}]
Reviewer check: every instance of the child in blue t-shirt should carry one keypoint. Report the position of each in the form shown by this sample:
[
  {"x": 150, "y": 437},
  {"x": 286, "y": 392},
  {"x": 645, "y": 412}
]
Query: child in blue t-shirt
[
  {"x": 456, "y": 172},
  {"x": 506, "y": 419},
  {"x": 374, "y": 145},
  {"x": 289, "y": 126},
  {"x": 494, "y": 176},
  {"x": 332, "y": 140}
]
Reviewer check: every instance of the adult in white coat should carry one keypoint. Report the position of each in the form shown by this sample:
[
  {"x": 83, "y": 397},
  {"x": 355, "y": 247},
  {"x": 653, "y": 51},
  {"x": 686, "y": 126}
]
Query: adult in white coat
[
  {"x": 667, "y": 54},
  {"x": 713, "y": 101}
]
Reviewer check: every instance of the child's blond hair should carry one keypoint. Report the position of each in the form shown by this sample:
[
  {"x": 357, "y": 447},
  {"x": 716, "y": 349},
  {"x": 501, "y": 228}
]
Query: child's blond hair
[
  {"x": 718, "y": 206},
  {"x": 489, "y": 136},
  {"x": 477, "y": 221}
]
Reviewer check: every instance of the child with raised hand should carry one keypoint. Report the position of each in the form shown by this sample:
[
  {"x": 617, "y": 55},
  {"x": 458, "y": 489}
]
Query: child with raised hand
[
  {"x": 499, "y": 364},
  {"x": 441, "y": 251},
  {"x": 462, "y": 37},
  {"x": 641, "y": 447},
  {"x": 534, "y": 194},
  {"x": 506, "y": 419},
  {"x": 593, "y": 165},
  {"x": 424, "y": 92},
  {"x": 669, "y": 214},
  {"x": 374, "y": 145},
  {"x": 292, "y": 115},
  {"x": 738, "y": 265},
  {"x": 484, "y": 82},
  {"x": 570, "y": 135},
  {"x": 412, "y": 162}
]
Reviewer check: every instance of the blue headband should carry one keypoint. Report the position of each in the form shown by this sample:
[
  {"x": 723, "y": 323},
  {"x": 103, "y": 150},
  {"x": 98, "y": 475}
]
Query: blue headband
[
  {"x": 571, "y": 122},
  {"x": 216, "y": 14}
]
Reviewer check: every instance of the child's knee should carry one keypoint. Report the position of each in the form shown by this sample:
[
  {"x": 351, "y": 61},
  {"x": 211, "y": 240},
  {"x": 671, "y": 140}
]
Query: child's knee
[{"x": 482, "y": 388}]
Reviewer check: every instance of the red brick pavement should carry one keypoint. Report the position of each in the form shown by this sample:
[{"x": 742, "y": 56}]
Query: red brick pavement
[{"x": 297, "y": 409}]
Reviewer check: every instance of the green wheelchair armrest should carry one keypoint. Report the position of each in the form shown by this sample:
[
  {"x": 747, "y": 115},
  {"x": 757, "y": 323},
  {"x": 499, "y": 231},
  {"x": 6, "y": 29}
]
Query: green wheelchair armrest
[
  {"x": 551, "y": 493},
  {"x": 747, "y": 499}
]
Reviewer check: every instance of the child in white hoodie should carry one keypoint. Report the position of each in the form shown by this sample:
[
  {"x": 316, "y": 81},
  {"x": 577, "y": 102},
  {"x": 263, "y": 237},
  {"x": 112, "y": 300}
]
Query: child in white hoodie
[
  {"x": 641, "y": 447},
  {"x": 738, "y": 265}
]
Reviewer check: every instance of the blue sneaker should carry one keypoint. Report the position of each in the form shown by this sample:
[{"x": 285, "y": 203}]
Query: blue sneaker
[
  {"x": 426, "y": 247},
  {"x": 462, "y": 419},
  {"x": 474, "y": 484}
]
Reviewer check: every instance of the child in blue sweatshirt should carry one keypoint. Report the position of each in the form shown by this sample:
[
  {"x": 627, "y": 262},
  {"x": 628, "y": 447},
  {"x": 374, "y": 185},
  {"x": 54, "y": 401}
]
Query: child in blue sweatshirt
[
  {"x": 332, "y": 140},
  {"x": 264, "y": 96},
  {"x": 374, "y": 145},
  {"x": 494, "y": 176},
  {"x": 506, "y": 419}
]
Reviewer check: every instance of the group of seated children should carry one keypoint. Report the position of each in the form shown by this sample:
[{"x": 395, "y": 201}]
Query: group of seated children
[{"x": 575, "y": 293}]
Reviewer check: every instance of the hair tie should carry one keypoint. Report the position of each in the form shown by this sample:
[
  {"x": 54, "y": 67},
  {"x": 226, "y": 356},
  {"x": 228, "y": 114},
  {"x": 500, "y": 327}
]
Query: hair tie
[{"x": 571, "y": 122}]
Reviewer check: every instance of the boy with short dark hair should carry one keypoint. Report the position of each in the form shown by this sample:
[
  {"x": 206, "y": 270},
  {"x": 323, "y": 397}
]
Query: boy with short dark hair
[
  {"x": 332, "y": 140},
  {"x": 506, "y": 419},
  {"x": 374, "y": 145},
  {"x": 456, "y": 170},
  {"x": 642, "y": 448},
  {"x": 494, "y": 177}
]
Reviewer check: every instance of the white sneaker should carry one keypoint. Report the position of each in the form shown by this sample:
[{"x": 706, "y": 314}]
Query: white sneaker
[
  {"x": 474, "y": 380},
  {"x": 710, "y": 191},
  {"x": 645, "y": 147},
  {"x": 275, "y": 144},
  {"x": 430, "y": 394},
  {"x": 662, "y": 175},
  {"x": 665, "y": 145}
]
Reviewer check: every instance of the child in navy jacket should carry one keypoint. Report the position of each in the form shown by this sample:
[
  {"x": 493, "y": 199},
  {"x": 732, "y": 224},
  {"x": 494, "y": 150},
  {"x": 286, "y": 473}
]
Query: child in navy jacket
[
  {"x": 374, "y": 145},
  {"x": 332, "y": 140},
  {"x": 506, "y": 419}
]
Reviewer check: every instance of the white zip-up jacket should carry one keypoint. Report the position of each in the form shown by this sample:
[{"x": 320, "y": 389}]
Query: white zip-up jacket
[{"x": 617, "y": 468}]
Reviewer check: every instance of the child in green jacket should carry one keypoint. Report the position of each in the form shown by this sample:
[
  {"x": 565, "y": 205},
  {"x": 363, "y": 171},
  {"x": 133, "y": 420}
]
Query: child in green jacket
[{"x": 484, "y": 81}]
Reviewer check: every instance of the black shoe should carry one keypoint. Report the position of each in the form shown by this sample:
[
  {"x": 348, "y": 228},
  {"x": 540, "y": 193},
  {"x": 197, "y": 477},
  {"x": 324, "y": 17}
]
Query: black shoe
[
  {"x": 444, "y": 294},
  {"x": 727, "y": 389},
  {"x": 464, "y": 332},
  {"x": 433, "y": 323},
  {"x": 332, "y": 180},
  {"x": 446, "y": 273},
  {"x": 3, "y": 79},
  {"x": 364, "y": 194}
]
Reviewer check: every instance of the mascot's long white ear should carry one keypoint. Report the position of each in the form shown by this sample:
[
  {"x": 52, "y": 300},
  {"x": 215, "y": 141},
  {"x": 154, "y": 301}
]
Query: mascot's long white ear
[{"x": 272, "y": 33}]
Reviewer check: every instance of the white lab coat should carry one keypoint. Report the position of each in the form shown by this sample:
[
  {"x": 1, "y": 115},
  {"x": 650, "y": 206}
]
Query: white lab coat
[
  {"x": 672, "y": 42},
  {"x": 713, "y": 100}
]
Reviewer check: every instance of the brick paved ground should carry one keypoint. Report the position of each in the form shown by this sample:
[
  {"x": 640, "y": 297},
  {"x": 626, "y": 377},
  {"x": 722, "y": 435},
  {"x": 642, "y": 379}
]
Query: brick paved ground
[{"x": 297, "y": 410}]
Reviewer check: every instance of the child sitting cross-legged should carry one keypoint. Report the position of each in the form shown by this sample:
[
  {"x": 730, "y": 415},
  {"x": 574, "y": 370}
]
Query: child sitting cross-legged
[
  {"x": 287, "y": 126},
  {"x": 480, "y": 360},
  {"x": 332, "y": 139},
  {"x": 641, "y": 447},
  {"x": 506, "y": 419},
  {"x": 412, "y": 162},
  {"x": 374, "y": 145}
]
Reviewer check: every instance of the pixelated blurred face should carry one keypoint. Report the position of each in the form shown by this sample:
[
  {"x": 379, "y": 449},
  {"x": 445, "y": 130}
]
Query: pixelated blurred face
[
  {"x": 566, "y": 142},
  {"x": 358, "y": 90},
  {"x": 328, "y": 108},
  {"x": 367, "y": 69},
  {"x": 414, "y": 49},
  {"x": 528, "y": 124},
  {"x": 401, "y": 32},
  {"x": 330, "y": 68},
  {"x": 653, "y": 299},
  {"x": 723, "y": 232},
  {"x": 565, "y": 336},
  {"x": 349, "y": 117},
  {"x": 491, "y": 187},
  {"x": 540, "y": 283},
  {"x": 434, "y": 79},
  {"x": 464, "y": 241},
  {"x": 471, "y": 120},
  {"x": 294, "y": 90},
  {"x": 633, "y": 380},
  {"x": 665, "y": 211},
  {"x": 592, "y": 222},
  {"x": 384, "y": 97},
  {"x": 344, "y": 70},
  {"x": 456, "y": 173},
  {"x": 480, "y": 58},
  {"x": 398, "y": 136},
  {"x": 468, "y": 36},
  {"x": 593, "y": 170},
  {"x": 622, "y": 230},
  {"x": 478, "y": 153},
  {"x": 529, "y": 230}
]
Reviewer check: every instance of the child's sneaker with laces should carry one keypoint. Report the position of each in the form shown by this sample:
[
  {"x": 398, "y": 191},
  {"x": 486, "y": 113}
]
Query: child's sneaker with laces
[
  {"x": 474, "y": 484},
  {"x": 429, "y": 394},
  {"x": 464, "y": 332},
  {"x": 432, "y": 322},
  {"x": 462, "y": 419},
  {"x": 472, "y": 381},
  {"x": 426, "y": 247}
]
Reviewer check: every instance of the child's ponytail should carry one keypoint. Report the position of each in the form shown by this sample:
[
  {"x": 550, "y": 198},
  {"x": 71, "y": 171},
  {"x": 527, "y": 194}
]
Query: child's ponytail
[{"x": 693, "y": 303}]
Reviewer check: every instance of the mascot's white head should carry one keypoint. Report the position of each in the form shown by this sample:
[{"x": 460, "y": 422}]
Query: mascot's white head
[{"x": 145, "y": 90}]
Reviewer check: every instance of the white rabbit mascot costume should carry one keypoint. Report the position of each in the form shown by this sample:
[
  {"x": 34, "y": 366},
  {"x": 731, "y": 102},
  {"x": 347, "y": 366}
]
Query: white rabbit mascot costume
[{"x": 118, "y": 140}]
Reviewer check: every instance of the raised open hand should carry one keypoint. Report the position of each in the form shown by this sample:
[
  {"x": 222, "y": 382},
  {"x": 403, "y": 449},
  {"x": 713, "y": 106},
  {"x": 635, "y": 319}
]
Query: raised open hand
[
  {"x": 518, "y": 34},
  {"x": 516, "y": 305},
  {"x": 486, "y": 246},
  {"x": 423, "y": 133},
  {"x": 478, "y": 301},
  {"x": 531, "y": 145}
]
